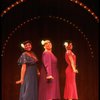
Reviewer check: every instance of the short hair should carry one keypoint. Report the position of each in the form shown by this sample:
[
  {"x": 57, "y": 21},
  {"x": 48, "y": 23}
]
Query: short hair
[
  {"x": 69, "y": 41},
  {"x": 28, "y": 41}
]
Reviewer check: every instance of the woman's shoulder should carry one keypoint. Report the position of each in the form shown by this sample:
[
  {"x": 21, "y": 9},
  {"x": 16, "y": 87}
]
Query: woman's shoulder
[
  {"x": 46, "y": 52},
  {"x": 23, "y": 54},
  {"x": 69, "y": 51}
]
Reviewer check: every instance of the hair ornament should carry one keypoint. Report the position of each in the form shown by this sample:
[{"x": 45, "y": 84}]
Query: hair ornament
[
  {"x": 22, "y": 45},
  {"x": 42, "y": 42},
  {"x": 66, "y": 44}
]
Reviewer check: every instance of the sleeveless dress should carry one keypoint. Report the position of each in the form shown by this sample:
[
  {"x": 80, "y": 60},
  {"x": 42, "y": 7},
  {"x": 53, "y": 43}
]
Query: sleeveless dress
[
  {"x": 70, "y": 91},
  {"x": 28, "y": 90},
  {"x": 49, "y": 89}
]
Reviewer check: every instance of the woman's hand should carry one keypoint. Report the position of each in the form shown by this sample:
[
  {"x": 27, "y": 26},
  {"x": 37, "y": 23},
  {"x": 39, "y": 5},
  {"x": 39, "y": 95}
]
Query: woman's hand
[
  {"x": 50, "y": 77},
  {"x": 19, "y": 82},
  {"x": 75, "y": 70},
  {"x": 38, "y": 72}
]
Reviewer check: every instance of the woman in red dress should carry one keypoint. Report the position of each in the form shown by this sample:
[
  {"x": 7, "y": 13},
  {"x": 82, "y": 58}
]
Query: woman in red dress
[{"x": 70, "y": 91}]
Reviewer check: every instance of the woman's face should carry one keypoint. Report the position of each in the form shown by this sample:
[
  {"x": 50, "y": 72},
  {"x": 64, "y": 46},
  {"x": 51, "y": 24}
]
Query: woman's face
[
  {"x": 70, "y": 46},
  {"x": 28, "y": 46},
  {"x": 48, "y": 46}
]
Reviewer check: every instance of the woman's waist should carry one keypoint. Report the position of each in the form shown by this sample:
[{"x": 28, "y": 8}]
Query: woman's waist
[{"x": 68, "y": 67}]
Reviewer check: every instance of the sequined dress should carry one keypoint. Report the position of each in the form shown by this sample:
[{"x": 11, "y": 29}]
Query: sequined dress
[{"x": 28, "y": 90}]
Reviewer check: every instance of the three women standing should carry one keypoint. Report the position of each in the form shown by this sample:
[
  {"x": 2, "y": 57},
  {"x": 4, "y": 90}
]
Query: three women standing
[{"x": 49, "y": 77}]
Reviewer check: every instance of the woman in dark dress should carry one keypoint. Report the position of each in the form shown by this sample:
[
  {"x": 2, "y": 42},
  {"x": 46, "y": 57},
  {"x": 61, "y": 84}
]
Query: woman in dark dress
[
  {"x": 49, "y": 77},
  {"x": 28, "y": 78}
]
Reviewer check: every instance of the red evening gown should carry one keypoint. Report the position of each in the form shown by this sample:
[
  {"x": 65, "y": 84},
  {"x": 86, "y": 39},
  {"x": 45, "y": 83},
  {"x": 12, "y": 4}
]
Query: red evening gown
[{"x": 70, "y": 91}]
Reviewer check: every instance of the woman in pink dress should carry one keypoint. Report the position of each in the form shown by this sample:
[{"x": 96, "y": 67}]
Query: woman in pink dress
[
  {"x": 49, "y": 76},
  {"x": 70, "y": 91}
]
